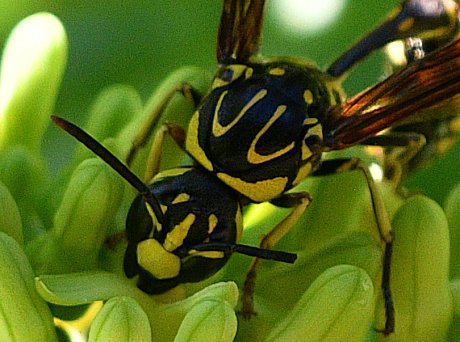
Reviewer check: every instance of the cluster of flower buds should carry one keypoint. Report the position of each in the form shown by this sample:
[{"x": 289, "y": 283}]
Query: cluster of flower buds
[{"x": 55, "y": 259}]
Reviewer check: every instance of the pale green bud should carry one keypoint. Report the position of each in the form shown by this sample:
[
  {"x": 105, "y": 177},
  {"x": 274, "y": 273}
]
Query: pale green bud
[
  {"x": 452, "y": 209},
  {"x": 114, "y": 107},
  {"x": 420, "y": 272},
  {"x": 88, "y": 208},
  {"x": 31, "y": 71},
  {"x": 120, "y": 319},
  {"x": 338, "y": 306},
  {"x": 24, "y": 315},
  {"x": 10, "y": 219},
  {"x": 209, "y": 320}
]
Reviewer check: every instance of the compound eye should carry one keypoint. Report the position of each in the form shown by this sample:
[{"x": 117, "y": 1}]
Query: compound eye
[{"x": 230, "y": 73}]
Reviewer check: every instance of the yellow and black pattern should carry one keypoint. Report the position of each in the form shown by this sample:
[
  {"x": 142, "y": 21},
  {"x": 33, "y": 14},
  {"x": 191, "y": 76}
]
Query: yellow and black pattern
[
  {"x": 160, "y": 253},
  {"x": 258, "y": 128}
]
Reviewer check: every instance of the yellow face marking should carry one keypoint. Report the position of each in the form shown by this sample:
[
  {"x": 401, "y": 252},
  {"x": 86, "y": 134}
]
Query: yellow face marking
[
  {"x": 406, "y": 24},
  {"x": 256, "y": 158},
  {"x": 258, "y": 192},
  {"x": 181, "y": 198},
  {"x": 219, "y": 130},
  {"x": 212, "y": 223},
  {"x": 192, "y": 145},
  {"x": 152, "y": 257},
  {"x": 248, "y": 73},
  {"x": 207, "y": 254},
  {"x": 308, "y": 97},
  {"x": 176, "y": 236},
  {"x": 277, "y": 71},
  {"x": 303, "y": 172},
  {"x": 310, "y": 121}
]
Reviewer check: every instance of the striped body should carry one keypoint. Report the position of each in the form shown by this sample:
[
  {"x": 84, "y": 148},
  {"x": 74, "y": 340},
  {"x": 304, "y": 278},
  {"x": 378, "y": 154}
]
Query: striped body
[
  {"x": 259, "y": 129},
  {"x": 197, "y": 209}
]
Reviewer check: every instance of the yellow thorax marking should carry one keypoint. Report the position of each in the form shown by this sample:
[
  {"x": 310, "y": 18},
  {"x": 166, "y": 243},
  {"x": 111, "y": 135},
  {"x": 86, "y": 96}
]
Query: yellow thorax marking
[
  {"x": 176, "y": 236},
  {"x": 308, "y": 96},
  {"x": 310, "y": 121},
  {"x": 181, "y": 198},
  {"x": 303, "y": 172},
  {"x": 259, "y": 191},
  {"x": 219, "y": 130},
  {"x": 212, "y": 222},
  {"x": 193, "y": 145},
  {"x": 306, "y": 152},
  {"x": 256, "y": 158},
  {"x": 277, "y": 71},
  {"x": 237, "y": 71}
]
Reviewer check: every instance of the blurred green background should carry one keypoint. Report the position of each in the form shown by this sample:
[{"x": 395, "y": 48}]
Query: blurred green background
[{"x": 140, "y": 42}]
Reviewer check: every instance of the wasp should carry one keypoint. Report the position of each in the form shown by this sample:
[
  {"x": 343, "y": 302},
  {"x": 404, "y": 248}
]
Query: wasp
[
  {"x": 263, "y": 127},
  {"x": 436, "y": 135}
]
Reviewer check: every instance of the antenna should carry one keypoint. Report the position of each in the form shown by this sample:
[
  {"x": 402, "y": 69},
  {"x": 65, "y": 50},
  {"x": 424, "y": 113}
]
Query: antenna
[{"x": 111, "y": 160}]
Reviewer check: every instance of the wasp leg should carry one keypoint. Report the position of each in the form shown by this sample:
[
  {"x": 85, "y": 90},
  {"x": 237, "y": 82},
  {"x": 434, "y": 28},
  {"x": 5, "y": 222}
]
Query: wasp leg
[
  {"x": 298, "y": 202},
  {"x": 383, "y": 222},
  {"x": 147, "y": 127},
  {"x": 400, "y": 149},
  {"x": 156, "y": 150},
  {"x": 414, "y": 18}
]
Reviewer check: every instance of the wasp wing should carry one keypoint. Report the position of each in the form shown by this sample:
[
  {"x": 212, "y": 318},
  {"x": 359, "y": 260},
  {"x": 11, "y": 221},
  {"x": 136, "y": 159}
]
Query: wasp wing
[
  {"x": 409, "y": 95},
  {"x": 239, "y": 31}
]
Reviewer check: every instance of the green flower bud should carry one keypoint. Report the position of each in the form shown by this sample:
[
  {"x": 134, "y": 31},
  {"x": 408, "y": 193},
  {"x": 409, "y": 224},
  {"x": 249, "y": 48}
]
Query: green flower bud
[
  {"x": 452, "y": 209},
  {"x": 114, "y": 107},
  {"x": 338, "y": 306},
  {"x": 420, "y": 272},
  {"x": 24, "y": 315},
  {"x": 120, "y": 319},
  {"x": 209, "y": 320},
  {"x": 87, "y": 210},
  {"x": 31, "y": 71},
  {"x": 24, "y": 174},
  {"x": 10, "y": 219},
  {"x": 165, "y": 319}
]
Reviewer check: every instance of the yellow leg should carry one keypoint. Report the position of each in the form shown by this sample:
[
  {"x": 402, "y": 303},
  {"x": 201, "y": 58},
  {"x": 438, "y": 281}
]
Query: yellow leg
[{"x": 299, "y": 202}]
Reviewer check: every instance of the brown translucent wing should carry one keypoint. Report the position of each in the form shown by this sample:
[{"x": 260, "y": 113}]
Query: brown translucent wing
[
  {"x": 239, "y": 31},
  {"x": 403, "y": 97}
]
